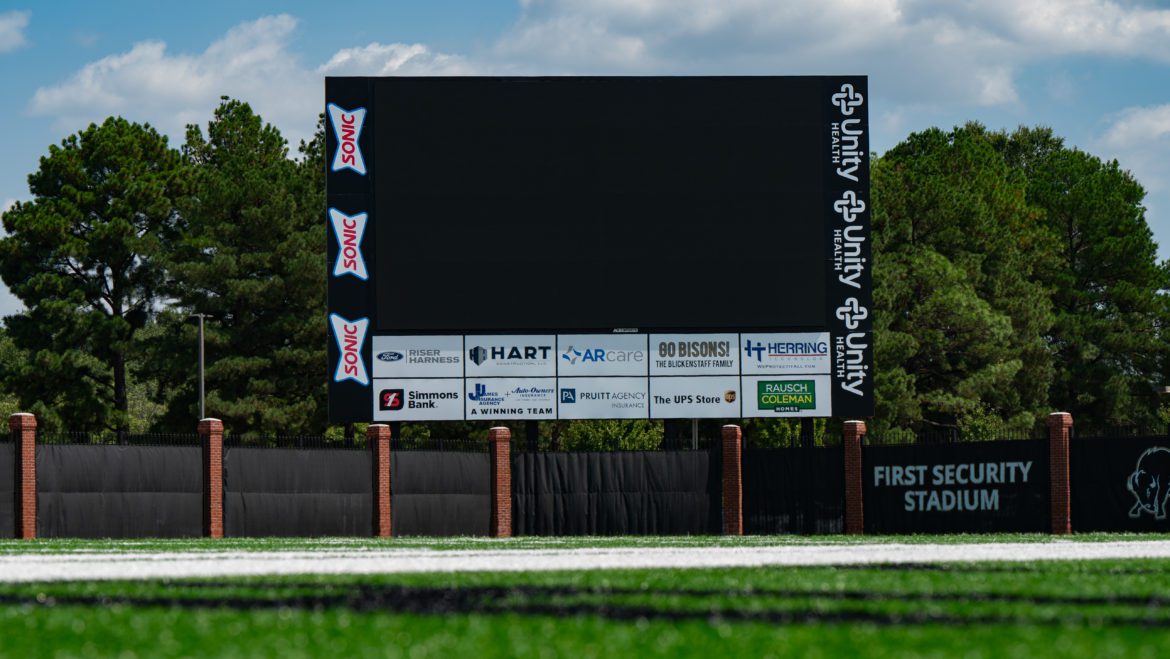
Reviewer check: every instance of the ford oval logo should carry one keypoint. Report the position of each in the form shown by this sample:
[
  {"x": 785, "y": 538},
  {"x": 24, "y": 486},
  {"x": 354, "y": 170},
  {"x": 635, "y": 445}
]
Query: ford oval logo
[{"x": 389, "y": 356}]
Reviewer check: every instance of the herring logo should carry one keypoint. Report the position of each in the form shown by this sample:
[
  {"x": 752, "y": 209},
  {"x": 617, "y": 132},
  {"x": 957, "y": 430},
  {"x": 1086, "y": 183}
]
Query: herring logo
[
  {"x": 852, "y": 312},
  {"x": 568, "y": 395},
  {"x": 1150, "y": 483},
  {"x": 478, "y": 355},
  {"x": 849, "y": 206},
  {"x": 347, "y": 126},
  {"x": 350, "y": 335},
  {"x": 390, "y": 356},
  {"x": 349, "y": 230},
  {"x": 847, "y": 99}
]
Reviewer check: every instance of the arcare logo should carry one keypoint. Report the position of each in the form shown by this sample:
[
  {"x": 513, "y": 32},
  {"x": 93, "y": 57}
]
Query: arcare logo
[
  {"x": 347, "y": 126},
  {"x": 852, "y": 312},
  {"x": 849, "y": 206},
  {"x": 599, "y": 355},
  {"x": 349, "y": 230},
  {"x": 350, "y": 335},
  {"x": 787, "y": 395},
  {"x": 1150, "y": 483},
  {"x": 847, "y": 99}
]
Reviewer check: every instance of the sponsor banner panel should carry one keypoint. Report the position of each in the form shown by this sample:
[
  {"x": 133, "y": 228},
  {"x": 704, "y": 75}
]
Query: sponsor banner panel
[
  {"x": 418, "y": 357},
  {"x": 603, "y": 398},
  {"x": 694, "y": 354},
  {"x": 782, "y": 354},
  {"x": 709, "y": 397},
  {"x": 1120, "y": 484},
  {"x": 786, "y": 396},
  {"x": 511, "y": 356},
  {"x": 511, "y": 398},
  {"x": 602, "y": 354},
  {"x": 405, "y": 399}
]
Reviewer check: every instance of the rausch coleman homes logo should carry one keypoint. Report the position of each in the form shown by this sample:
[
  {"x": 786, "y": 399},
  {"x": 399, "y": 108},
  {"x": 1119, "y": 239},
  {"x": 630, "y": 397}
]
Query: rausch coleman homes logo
[
  {"x": 1150, "y": 483},
  {"x": 347, "y": 126},
  {"x": 787, "y": 395}
]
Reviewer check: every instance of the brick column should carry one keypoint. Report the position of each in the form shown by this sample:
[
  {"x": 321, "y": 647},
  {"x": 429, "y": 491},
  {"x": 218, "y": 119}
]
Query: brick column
[
  {"x": 500, "y": 444},
  {"x": 378, "y": 435},
  {"x": 24, "y": 452},
  {"x": 211, "y": 434},
  {"x": 854, "y": 506},
  {"x": 732, "y": 480},
  {"x": 1059, "y": 429}
]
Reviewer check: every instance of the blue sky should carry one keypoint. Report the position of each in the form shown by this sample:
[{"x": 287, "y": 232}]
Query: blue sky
[{"x": 1096, "y": 71}]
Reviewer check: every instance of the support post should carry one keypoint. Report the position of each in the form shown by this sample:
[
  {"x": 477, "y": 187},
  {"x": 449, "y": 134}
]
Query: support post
[
  {"x": 378, "y": 436},
  {"x": 1059, "y": 430},
  {"x": 211, "y": 436},
  {"x": 500, "y": 445},
  {"x": 732, "y": 480},
  {"x": 854, "y": 506},
  {"x": 24, "y": 446}
]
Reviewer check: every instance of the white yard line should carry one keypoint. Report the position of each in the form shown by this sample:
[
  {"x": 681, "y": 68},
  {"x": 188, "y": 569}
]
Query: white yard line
[{"x": 171, "y": 565}]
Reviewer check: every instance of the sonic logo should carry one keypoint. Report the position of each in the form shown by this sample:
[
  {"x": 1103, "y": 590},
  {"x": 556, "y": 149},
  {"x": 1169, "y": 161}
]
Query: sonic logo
[
  {"x": 347, "y": 126},
  {"x": 349, "y": 230},
  {"x": 350, "y": 335}
]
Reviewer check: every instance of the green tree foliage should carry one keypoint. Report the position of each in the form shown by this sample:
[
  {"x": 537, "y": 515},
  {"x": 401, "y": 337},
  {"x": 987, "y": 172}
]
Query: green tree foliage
[
  {"x": 85, "y": 258},
  {"x": 961, "y": 317},
  {"x": 251, "y": 258},
  {"x": 1107, "y": 285}
]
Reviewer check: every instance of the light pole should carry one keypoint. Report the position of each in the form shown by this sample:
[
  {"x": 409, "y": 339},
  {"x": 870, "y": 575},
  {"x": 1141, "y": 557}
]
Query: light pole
[{"x": 202, "y": 407}]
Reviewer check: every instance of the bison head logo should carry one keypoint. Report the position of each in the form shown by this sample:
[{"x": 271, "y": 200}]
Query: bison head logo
[{"x": 1150, "y": 483}]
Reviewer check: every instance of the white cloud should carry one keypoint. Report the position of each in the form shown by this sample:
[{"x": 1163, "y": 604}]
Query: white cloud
[
  {"x": 252, "y": 62},
  {"x": 1139, "y": 138},
  {"x": 8, "y": 204},
  {"x": 12, "y": 26},
  {"x": 378, "y": 59}
]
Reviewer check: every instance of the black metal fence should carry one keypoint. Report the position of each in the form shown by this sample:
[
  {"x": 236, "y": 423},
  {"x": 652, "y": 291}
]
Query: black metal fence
[{"x": 794, "y": 490}]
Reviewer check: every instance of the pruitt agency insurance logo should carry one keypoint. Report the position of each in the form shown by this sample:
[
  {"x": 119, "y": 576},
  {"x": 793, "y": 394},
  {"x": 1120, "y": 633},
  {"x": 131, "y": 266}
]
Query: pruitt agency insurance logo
[{"x": 787, "y": 395}]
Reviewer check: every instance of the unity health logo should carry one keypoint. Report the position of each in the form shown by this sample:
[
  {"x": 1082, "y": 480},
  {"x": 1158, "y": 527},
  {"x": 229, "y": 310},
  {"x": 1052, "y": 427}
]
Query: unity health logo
[
  {"x": 350, "y": 335},
  {"x": 347, "y": 126},
  {"x": 349, "y": 230},
  {"x": 847, "y": 99}
]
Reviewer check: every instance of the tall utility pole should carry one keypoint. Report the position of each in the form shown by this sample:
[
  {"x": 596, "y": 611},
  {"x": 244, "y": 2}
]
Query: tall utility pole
[{"x": 202, "y": 405}]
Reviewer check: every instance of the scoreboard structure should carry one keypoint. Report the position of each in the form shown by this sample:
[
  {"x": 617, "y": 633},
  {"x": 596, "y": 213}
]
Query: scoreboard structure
[{"x": 598, "y": 247}]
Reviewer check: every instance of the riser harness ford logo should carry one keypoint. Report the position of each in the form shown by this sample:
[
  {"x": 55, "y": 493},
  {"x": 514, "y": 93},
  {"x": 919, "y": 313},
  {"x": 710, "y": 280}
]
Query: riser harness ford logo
[
  {"x": 349, "y": 230},
  {"x": 347, "y": 126},
  {"x": 350, "y": 335}
]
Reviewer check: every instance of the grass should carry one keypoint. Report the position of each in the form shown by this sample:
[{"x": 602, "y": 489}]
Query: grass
[
  {"x": 466, "y": 543},
  {"x": 1089, "y": 608}
]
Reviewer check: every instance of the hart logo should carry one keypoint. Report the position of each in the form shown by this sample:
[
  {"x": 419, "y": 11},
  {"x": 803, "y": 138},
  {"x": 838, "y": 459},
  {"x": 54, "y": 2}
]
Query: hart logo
[
  {"x": 350, "y": 335},
  {"x": 478, "y": 355},
  {"x": 390, "y": 400},
  {"x": 349, "y": 230},
  {"x": 852, "y": 312},
  {"x": 847, "y": 99},
  {"x": 347, "y": 126},
  {"x": 849, "y": 206}
]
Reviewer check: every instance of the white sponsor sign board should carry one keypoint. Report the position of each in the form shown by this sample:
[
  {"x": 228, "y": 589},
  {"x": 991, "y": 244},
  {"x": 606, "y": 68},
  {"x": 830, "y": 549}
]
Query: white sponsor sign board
[
  {"x": 694, "y": 354},
  {"x": 601, "y": 354},
  {"x": 404, "y": 399},
  {"x": 418, "y": 356},
  {"x": 786, "y": 396},
  {"x": 511, "y": 398},
  {"x": 510, "y": 356},
  {"x": 783, "y": 354},
  {"x": 603, "y": 398},
  {"x": 709, "y": 397}
]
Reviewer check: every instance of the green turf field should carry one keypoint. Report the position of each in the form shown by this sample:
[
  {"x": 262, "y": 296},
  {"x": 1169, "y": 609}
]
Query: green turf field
[{"x": 1086, "y": 608}]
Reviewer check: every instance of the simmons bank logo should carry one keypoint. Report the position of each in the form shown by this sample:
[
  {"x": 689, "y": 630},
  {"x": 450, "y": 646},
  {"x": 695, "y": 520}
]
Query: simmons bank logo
[
  {"x": 349, "y": 230},
  {"x": 347, "y": 126},
  {"x": 350, "y": 335}
]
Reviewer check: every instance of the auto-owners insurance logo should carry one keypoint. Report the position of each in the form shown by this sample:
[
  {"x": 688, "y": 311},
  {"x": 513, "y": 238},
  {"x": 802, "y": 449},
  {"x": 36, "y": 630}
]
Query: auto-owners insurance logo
[{"x": 347, "y": 126}]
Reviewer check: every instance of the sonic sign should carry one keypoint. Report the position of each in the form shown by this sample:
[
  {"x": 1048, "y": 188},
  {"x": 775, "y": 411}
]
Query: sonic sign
[{"x": 542, "y": 248}]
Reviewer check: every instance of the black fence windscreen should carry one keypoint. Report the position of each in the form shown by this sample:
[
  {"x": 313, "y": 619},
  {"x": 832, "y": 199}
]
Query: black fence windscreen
[
  {"x": 7, "y": 489},
  {"x": 794, "y": 490},
  {"x": 111, "y": 491},
  {"x": 440, "y": 493},
  {"x": 1120, "y": 484},
  {"x": 974, "y": 487},
  {"x": 297, "y": 492},
  {"x": 619, "y": 493}
]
